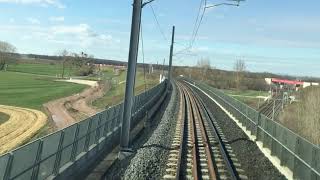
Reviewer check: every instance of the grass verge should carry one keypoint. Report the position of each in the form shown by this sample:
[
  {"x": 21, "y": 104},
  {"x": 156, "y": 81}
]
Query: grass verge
[
  {"x": 116, "y": 93},
  {"x": 249, "y": 97}
]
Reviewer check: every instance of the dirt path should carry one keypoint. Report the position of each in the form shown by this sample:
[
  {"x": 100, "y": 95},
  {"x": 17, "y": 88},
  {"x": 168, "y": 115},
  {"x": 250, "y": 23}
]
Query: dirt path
[
  {"x": 22, "y": 125},
  {"x": 68, "y": 110}
]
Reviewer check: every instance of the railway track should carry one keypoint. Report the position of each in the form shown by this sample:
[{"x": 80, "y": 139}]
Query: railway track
[
  {"x": 199, "y": 149},
  {"x": 267, "y": 108}
]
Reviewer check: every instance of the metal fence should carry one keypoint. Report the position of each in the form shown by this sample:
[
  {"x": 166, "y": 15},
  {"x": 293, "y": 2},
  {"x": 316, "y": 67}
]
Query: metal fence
[
  {"x": 294, "y": 152},
  {"x": 77, "y": 146}
]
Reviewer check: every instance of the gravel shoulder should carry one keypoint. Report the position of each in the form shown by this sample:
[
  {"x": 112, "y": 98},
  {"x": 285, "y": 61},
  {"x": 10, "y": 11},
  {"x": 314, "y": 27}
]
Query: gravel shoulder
[
  {"x": 150, "y": 159},
  {"x": 253, "y": 161},
  {"x": 151, "y": 147}
]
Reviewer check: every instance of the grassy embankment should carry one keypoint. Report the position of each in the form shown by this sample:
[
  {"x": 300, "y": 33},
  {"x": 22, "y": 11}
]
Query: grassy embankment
[
  {"x": 249, "y": 97},
  {"x": 41, "y": 68},
  {"x": 116, "y": 93}
]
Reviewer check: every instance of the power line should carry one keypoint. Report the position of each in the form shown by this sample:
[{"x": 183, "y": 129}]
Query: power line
[
  {"x": 197, "y": 25},
  {"x": 158, "y": 24},
  {"x": 200, "y": 22},
  {"x": 195, "y": 28},
  {"x": 144, "y": 66},
  {"x": 196, "y": 22}
]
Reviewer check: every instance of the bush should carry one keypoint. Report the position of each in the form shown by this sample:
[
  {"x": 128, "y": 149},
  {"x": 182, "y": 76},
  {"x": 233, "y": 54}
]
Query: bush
[
  {"x": 84, "y": 71},
  {"x": 303, "y": 117}
]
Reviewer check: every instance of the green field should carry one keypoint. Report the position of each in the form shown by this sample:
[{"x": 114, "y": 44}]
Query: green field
[
  {"x": 117, "y": 90},
  {"x": 248, "y": 97},
  {"x": 53, "y": 69},
  {"x": 252, "y": 93},
  {"x": 31, "y": 91},
  {"x": 106, "y": 74}
]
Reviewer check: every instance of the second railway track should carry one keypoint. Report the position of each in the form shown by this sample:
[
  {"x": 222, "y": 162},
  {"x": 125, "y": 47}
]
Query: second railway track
[{"x": 199, "y": 149}]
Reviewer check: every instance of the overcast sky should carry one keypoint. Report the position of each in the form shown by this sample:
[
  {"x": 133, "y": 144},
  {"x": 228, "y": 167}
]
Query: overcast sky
[{"x": 274, "y": 36}]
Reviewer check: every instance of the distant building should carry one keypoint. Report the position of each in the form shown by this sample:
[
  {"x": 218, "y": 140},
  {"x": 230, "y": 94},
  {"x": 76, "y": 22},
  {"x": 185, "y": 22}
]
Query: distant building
[{"x": 289, "y": 83}]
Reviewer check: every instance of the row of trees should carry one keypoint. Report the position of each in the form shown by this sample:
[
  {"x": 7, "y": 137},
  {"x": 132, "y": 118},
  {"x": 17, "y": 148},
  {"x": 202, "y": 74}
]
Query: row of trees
[
  {"x": 222, "y": 79},
  {"x": 81, "y": 61},
  {"x": 7, "y": 54},
  {"x": 239, "y": 70}
]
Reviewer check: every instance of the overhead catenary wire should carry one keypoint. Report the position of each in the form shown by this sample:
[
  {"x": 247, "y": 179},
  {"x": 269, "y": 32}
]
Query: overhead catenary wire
[
  {"x": 200, "y": 22},
  {"x": 196, "y": 27},
  {"x": 157, "y": 22},
  {"x": 144, "y": 65},
  {"x": 155, "y": 17},
  {"x": 196, "y": 22}
]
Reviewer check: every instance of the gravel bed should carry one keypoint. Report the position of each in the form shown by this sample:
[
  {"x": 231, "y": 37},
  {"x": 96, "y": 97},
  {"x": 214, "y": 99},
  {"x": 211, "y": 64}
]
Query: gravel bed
[
  {"x": 253, "y": 161},
  {"x": 152, "y": 149},
  {"x": 150, "y": 158}
]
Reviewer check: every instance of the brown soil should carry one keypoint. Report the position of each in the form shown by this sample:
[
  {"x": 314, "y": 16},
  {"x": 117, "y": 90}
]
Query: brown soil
[{"x": 68, "y": 110}]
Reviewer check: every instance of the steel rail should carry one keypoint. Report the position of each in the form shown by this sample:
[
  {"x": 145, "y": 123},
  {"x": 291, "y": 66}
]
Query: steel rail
[
  {"x": 193, "y": 137},
  {"x": 206, "y": 143},
  {"x": 227, "y": 159}
]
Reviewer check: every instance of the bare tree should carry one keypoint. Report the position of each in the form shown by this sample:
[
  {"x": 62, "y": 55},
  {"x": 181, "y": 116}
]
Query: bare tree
[
  {"x": 6, "y": 54},
  {"x": 239, "y": 68},
  {"x": 204, "y": 65},
  {"x": 64, "y": 55}
]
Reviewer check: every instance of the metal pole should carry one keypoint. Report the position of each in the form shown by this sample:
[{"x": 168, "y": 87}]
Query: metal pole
[
  {"x": 283, "y": 96},
  {"x": 171, "y": 53},
  {"x": 259, "y": 99},
  {"x": 164, "y": 60},
  {"x": 131, "y": 74},
  {"x": 273, "y": 109}
]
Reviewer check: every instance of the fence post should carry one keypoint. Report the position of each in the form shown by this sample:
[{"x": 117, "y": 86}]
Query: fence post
[
  {"x": 295, "y": 160},
  {"x": 86, "y": 145},
  {"x": 9, "y": 167},
  {"x": 314, "y": 162},
  {"x": 273, "y": 109},
  {"x": 98, "y": 132},
  {"x": 273, "y": 141},
  {"x": 58, "y": 156},
  {"x": 258, "y": 126},
  {"x": 35, "y": 171},
  {"x": 75, "y": 144},
  {"x": 105, "y": 128}
]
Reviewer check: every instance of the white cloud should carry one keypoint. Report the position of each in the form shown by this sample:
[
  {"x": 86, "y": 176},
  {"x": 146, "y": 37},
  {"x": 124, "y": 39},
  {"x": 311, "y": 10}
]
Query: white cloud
[
  {"x": 71, "y": 29},
  {"x": 33, "y": 20},
  {"x": 44, "y": 3},
  {"x": 105, "y": 37},
  {"x": 56, "y": 19},
  {"x": 82, "y": 34}
]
